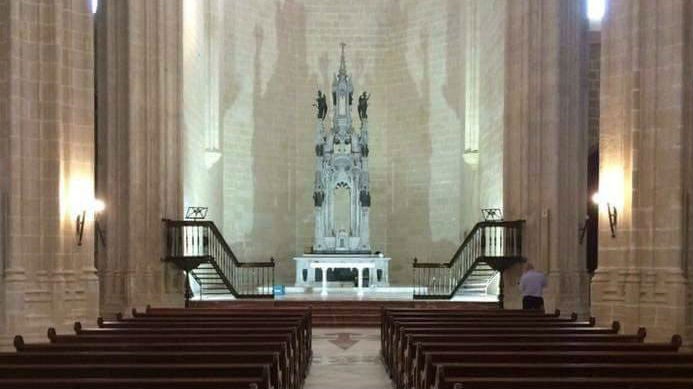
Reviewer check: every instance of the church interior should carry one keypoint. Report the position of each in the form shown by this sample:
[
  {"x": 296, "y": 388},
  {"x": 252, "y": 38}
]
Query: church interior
[{"x": 291, "y": 194}]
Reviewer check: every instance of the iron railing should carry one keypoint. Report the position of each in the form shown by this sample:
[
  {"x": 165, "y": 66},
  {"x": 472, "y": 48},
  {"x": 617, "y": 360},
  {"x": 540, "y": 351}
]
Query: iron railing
[
  {"x": 202, "y": 242},
  {"x": 498, "y": 243}
]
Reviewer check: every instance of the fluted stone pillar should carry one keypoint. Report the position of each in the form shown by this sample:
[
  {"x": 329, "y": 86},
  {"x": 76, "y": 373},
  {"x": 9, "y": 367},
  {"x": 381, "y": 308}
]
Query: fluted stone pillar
[
  {"x": 46, "y": 166},
  {"x": 139, "y": 149},
  {"x": 545, "y": 151},
  {"x": 645, "y": 167}
]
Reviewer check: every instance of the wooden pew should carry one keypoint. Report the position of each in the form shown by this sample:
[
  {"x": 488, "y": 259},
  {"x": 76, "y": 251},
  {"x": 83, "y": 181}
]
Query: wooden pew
[
  {"x": 221, "y": 317},
  {"x": 424, "y": 375},
  {"x": 450, "y": 374},
  {"x": 132, "y": 383},
  {"x": 171, "y": 348},
  {"x": 112, "y": 333},
  {"x": 400, "y": 330},
  {"x": 253, "y": 348},
  {"x": 403, "y": 354},
  {"x": 571, "y": 383},
  {"x": 390, "y": 316},
  {"x": 442, "y": 348},
  {"x": 416, "y": 362},
  {"x": 296, "y": 371},
  {"x": 279, "y": 371}
]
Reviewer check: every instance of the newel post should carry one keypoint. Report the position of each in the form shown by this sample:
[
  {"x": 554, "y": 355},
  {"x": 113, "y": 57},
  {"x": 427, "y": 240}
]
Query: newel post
[
  {"x": 188, "y": 289},
  {"x": 501, "y": 296}
]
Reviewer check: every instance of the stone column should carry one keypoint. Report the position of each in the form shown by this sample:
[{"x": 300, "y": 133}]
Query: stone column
[
  {"x": 545, "y": 143},
  {"x": 645, "y": 167},
  {"x": 323, "y": 292},
  {"x": 47, "y": 166},
  {"x": 139, "y": 154}
]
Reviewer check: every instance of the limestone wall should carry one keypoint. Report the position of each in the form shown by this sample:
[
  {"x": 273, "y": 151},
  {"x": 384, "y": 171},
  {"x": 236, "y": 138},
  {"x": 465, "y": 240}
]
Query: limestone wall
[
  {"x": 202, "y": 51},
  {"x": 47, "y": 164},
  {"x": 545, "y": 145},
  {"x": 140, "y": 150},
  {"x": 491, "y": 27},
  {"x": 645, "y": 168},
  {"x": 409, "y": 55},
  {"x": 4, "y": 150}
]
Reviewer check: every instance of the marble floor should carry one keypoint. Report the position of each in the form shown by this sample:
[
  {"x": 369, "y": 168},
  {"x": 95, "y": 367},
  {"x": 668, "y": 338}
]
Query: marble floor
[{"x": 346, "y": 358}]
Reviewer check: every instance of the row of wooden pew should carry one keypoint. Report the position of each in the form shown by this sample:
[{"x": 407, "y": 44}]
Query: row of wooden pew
[
  {"x": 458, "y": 349},
  {"x": 170, "y": 348}
]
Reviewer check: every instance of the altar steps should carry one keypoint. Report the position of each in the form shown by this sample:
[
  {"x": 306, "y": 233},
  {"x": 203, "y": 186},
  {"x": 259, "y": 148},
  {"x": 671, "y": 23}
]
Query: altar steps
[
  {"x": 348, "y": 313},
  {"x": 478, "y": 282}
]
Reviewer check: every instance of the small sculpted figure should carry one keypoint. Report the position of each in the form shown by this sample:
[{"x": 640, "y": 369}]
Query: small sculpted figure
[
  {"x": 363, "y": 105},
  {"x": 321, "y": 103}
]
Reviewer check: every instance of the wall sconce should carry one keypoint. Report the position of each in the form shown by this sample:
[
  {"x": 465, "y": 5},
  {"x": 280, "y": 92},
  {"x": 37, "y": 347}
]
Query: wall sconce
[
  {"x": 611, "y": 210},
  {"x": 95, "y": 207}
]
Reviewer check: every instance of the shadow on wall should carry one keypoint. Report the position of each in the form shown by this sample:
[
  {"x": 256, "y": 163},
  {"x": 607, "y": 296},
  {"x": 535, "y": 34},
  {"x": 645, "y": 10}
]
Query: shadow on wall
[
  {"x": 276, "y": 119},
  {"x": 455, "y": 93},
  {"x": 409, "y": 148},
  {"x": 454, "y": 61}
]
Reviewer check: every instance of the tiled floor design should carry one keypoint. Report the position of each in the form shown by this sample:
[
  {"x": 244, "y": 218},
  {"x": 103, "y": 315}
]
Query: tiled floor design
[{"x": 346, "y": 358}]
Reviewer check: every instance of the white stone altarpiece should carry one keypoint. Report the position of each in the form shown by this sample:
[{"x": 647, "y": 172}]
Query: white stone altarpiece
[{"x": 341, "y": 193}]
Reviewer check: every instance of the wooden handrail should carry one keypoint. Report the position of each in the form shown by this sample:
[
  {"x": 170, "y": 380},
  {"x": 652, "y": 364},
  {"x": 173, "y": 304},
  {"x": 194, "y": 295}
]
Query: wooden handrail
[
  {"x": 204, "y": 240},
  {"x": 496, "y": 243},
  {"x": 467, "y": 239},
  {"x": 217, "y": 234}
]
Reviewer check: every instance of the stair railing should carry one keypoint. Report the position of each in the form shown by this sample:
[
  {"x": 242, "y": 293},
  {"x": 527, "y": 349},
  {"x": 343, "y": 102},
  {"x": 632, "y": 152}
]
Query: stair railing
[
  {"x": 498, "y": 243},
  {"x": 200, "y": 241}
]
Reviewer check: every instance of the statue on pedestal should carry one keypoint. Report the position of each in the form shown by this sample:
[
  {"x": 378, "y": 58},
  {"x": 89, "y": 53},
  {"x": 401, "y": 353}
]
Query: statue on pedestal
[
  {"x": 321, "y": 104},
  {"x": 363, "y": 105}
]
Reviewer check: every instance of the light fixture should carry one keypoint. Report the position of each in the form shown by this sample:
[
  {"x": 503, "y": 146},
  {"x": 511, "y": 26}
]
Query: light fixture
[
  {"x": 596, "y": 10},
  {"x": 598, "y": 199},
  {"x": 95, "y": 207},
  {"x": 94, "y": 6}
]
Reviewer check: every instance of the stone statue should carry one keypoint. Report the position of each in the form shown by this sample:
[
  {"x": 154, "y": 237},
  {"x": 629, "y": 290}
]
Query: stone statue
[
  {"x": 319, "y": 150},
  {"x": 365, "y": 198},
  {"x": 321, "y": 103},
  {"x": 363, "y": 105},
  {"x": 318, "y": 198}
]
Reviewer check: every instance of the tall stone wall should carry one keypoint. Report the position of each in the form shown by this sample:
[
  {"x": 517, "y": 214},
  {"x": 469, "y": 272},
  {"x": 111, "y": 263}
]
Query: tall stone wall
[
  {"x": 140, "y": 150},
  {"x": 545, "y": 145},
  {"x": 47, "y": 163},
  {"x": 202, "y": 51},
  {"x": 4, "y": 150},
  {"x": 643, "y": 277},
  {"x": 409, "y": 55},
  {"x": 491, "y": 27}
]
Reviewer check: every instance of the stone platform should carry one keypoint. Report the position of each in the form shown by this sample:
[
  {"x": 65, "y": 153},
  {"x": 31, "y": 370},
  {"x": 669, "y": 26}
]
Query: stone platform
[{"x": 345, "y": 313}]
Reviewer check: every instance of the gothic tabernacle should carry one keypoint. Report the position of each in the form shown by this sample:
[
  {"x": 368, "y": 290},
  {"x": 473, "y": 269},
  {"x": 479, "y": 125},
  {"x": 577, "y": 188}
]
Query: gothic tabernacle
[{"x": 342, "y": 194}]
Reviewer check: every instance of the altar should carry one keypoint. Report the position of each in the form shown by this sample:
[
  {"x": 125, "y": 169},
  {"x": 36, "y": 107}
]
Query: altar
[
  {"x": 308, "y": 265},
  {"x": 341, "y": 194}
]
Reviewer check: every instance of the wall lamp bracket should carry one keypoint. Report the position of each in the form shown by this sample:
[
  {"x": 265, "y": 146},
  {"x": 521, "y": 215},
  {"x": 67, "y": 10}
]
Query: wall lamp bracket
[
  {"x": 613, "y": 218},
  {"x": 81, "y": 218},
  {"x": 583, "y": 229},
  {"x": 96, "y": 206}
]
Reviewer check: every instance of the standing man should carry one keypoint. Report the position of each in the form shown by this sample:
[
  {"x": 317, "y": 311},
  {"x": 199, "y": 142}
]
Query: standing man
[{"x": 532, "y": 285}]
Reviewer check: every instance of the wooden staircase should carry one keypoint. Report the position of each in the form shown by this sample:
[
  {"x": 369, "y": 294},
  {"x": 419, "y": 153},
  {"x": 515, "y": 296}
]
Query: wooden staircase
[
  {"x": 477, "y": 283},
  {"x": 349, "y": 313}
]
